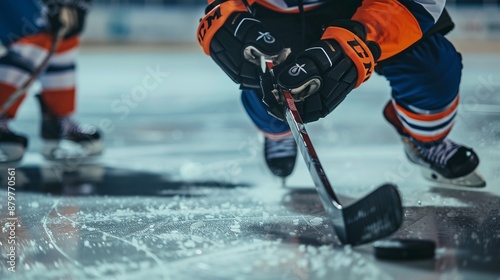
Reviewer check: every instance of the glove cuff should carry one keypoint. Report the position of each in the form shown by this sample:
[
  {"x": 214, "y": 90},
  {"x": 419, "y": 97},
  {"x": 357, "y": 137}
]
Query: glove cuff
[
  {"x": 363, "y": 54},
  {"x": 214, "y": 20}
]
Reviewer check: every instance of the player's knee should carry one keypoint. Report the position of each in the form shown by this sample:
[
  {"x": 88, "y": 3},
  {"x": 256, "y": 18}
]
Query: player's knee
[
  {"x": 428, "y": 75},
  {"x": 445, "y": 70}
]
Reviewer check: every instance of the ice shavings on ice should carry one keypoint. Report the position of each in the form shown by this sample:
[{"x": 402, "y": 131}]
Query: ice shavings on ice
[
  {"x": 316, "y": 221},
  {"x": 325, "y": 261},
  {"x": 235, "y": 227}
]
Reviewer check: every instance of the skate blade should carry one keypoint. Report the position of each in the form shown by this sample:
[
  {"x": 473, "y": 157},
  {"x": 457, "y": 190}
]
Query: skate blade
[
  {"x": 472, "y": 180},
  {"x": 64, "y": 150},
  {"x": 11, "y": 153}
]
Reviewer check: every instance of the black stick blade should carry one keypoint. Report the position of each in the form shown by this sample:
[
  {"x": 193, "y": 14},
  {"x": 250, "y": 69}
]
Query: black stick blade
[{"x": 375, "y": 216}]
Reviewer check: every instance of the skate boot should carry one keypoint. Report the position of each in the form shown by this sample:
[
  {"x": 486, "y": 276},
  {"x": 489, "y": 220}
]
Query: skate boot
[
  {"x": 445, "y": 162},
  {"x": 65, "y": 139},
  {"x": 12, "y": 146},
  {"x": 280, "y": 155},
  {"x": 442, "y": 161}
]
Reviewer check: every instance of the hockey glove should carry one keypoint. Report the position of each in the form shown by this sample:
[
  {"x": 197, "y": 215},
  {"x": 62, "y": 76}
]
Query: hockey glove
[
  {"x": 67, "y": 15},
  {"x": 270, "y": 91},
  {"x": 235, "y": 41},
  {"x": 270, "y": 96},
  {"x": 323, "y": 75}
]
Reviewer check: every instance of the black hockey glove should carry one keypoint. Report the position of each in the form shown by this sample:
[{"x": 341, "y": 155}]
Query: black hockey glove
[
  {"x": 323, "y": 75},
  {"x": 236, "y": 41},
  {"x": 270, "y": 96},
  {"x": 67, "y": 15},
  {"x": 270, "y": 91}
]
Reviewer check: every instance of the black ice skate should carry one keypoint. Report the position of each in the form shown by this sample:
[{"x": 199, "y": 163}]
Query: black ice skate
[
  {"x": 12, "y": 146},
  {"x": 65, "y": 139},
  {"x": 445, "y": 162},
  {"x": 280, "y": 156},
  {"x": 441, "y": 161}
]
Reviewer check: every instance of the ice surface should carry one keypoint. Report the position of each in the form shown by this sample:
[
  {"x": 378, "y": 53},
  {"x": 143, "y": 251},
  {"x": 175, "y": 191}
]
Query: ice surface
[{"x": 183, "y": 193}]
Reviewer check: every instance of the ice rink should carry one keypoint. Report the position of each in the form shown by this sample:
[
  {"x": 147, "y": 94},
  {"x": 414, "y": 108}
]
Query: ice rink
[{"x": 182, "y": 191}]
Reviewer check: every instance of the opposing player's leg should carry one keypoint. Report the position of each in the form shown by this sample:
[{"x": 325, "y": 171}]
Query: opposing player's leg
[
  {"x": 63, "y": 137},
  {"x": 17, "y": 20},
  {"x": 425, "y": 83},
  {"x": 14, "y": 70},
  {"x": 280, "y": 150},
  {"x": 12, "y": 145}
]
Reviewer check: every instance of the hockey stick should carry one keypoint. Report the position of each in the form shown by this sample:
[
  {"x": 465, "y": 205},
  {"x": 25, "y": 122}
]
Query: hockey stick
[
  {"x": 56, "y": 39},
  {"x": 377, "y": 215}
]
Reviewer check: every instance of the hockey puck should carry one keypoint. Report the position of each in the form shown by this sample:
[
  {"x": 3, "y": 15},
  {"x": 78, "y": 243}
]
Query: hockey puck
[{"x": 404, "y": 249}]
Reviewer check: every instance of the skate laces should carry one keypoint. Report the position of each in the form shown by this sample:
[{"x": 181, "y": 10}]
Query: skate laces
[
  {"x": 281, "y": 148},
  {"x": 439, "y": 153},
  {"x": 69, "y": 127}
]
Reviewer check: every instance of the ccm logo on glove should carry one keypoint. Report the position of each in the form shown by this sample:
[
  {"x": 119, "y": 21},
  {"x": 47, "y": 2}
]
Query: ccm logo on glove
[
  {"x": 236, "y": 41},
  {"x": 216, "y": 16},
  {"x": 357, "y": 50},
  {"x": 205, "y": 25}
]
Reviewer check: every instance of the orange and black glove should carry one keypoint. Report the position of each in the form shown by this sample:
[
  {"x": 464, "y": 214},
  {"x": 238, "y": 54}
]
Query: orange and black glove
[
  {"x": 322, "y": 75},
  {"x": 236, "y": 41}
]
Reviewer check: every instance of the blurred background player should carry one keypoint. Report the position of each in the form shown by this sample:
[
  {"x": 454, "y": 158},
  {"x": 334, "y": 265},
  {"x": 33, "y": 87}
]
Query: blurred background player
[
  {"x": 325, "y": 49},
  {"x": 27, "y": 30}
]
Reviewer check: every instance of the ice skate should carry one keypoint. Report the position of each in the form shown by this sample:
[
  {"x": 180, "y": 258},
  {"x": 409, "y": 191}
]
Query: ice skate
[
  {"x": 65, "y": 139},
  {"x": 12, "y": 146},
  {"x": 280, "y": 156},
  {"x": 441, "y": 161},
  {"x": 445, "y": 162}
]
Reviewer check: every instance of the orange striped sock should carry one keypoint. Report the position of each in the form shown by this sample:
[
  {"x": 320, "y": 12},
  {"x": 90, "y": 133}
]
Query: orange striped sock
[{"x": 427, "y": 126}]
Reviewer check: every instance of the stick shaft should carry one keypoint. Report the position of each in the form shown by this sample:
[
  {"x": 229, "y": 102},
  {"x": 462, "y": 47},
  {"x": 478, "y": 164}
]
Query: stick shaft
[{"x": 308, "y": 152}]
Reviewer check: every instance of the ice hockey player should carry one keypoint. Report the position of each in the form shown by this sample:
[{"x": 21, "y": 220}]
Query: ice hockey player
[
  {"x": 324, "y": 49},
  {"x": 27, "y": 29}
]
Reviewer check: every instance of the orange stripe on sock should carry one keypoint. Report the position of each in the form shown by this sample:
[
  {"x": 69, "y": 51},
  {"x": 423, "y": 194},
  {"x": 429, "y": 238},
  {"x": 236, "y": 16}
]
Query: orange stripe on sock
[
  {"x": 276, "y": 136},
  {"x": 44, "y": 40},
  {"x": 430, "y": 117},
  {"x": 60, "y": 102},
  {"x": 6, "y": 91},
  {"x": 430, "y": 138},
  {"x": 68, "y": 44}
]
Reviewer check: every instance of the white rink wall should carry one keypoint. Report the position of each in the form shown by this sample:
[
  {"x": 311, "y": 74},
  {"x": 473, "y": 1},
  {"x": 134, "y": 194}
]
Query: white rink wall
[
  {"x": 177, "y": 24},
  {"x": 140, "y": 24},
  {"x": 476, "y": 22}
]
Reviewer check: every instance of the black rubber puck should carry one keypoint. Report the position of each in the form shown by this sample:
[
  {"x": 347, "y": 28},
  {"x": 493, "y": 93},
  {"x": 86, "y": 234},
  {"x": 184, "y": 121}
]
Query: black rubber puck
[{"x": 404, "y": 249}]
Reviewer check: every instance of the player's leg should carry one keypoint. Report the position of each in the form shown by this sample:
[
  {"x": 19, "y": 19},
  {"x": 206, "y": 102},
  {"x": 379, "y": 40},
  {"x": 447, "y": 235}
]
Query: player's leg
[
  {"x": 57, "y": 101},
  {"x": 280, "y": 150},
  {"x": 425, "y": 83},
  {"x": 62, "y": 136},
  {"x": 17, "y": 20},
  {"x": 14, "y": 71}
]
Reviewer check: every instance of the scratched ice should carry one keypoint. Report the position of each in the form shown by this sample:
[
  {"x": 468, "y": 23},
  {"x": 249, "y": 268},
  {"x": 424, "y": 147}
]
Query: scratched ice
[{"x": 182, "y": 191}]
